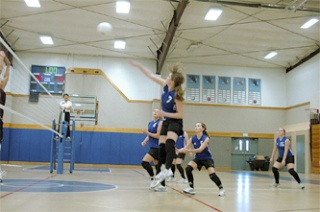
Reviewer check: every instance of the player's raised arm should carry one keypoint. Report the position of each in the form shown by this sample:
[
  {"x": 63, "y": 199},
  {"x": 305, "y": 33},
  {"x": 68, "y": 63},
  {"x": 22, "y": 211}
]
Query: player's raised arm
[
  {"x": 5, "y": 79},
  {"x": 148, "y": 73}
]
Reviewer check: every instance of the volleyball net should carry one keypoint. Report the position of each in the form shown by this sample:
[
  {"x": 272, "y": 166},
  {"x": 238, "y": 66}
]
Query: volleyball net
[{"x": 23, "y": 107}]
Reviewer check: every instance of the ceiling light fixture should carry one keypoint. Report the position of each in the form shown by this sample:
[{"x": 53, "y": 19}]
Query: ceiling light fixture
[
  {"x": 270, "y": 55},
  {"x": 123, "y": 7},
  {"x": 309, "y": 23},
  {"x": 119, "y": 44},
  {"x": 32, "y": 3},
  {"x": 213, "y": 14},
  {"x": 46, "y": 39},
  {"x": 192, "y": 47}
]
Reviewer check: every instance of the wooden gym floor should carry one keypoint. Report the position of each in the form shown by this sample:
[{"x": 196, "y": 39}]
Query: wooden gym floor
[{"x": 125, "y": 189}]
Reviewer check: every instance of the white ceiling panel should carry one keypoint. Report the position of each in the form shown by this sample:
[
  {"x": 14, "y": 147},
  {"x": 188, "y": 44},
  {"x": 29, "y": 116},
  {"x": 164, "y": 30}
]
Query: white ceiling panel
[{"x": 244, "y": 33}]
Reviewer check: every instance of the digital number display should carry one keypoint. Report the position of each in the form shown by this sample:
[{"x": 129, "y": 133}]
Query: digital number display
[
  {"x": 51, "y": 70},
  {"x": 50, "y": 77}
]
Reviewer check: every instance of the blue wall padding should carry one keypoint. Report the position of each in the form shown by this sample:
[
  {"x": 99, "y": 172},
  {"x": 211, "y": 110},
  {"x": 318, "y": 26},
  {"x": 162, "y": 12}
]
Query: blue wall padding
[{"x": 33, "y": 145}]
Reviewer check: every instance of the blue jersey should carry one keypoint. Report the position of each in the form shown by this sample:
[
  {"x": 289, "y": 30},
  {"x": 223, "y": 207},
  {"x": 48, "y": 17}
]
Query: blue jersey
[
  {"x": 281, "y": 146},
  {"x": 180, "y": 141},
  {"x": 152, "y": 128},
  {"x": 167, "y": 100},
  {"x": 206, "y": 153}
]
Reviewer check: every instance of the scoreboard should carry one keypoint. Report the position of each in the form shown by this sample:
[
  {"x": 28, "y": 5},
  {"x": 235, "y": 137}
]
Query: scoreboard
[{"x": 51, "y": 77}]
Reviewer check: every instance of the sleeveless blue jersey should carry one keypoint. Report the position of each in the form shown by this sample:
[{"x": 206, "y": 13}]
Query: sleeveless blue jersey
[
  {"x": 206, "y": 153},
  {"x": 281, "y": 145},
  {"x": 167, "y": 100},
  {"x": 152, "y": 128},
  {"x": 180, "y": 141}
]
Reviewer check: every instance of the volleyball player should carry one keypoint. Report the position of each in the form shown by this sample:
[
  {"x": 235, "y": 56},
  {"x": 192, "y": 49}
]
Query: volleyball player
[
  {"x": 202, "y": 158},
  {"x": 152, "y": 138},
  {"x": 181, "y": 142},
  {"x": 65, "y": 106},
  {"x": 3, "y": 82},
  {"x": 286, "y": 158},
  {"x": 172, "y": 111}
]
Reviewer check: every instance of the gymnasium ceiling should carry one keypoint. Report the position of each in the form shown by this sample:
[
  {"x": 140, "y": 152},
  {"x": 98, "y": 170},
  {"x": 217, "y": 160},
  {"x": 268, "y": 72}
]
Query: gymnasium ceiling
[{"x": 244, "y": 33}]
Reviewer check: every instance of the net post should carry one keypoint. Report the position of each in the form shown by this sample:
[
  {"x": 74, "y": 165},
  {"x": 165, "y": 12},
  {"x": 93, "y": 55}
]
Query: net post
[
  {"x": 72, "y": 147},
  {"x": 61, "y": 148},
  {"x": 52, "y": 152}
]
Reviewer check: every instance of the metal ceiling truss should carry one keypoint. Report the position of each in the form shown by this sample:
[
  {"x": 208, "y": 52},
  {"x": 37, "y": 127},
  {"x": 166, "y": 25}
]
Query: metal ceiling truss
[
  {"x": 164, "y": 48},
  {"x": 162, "y": 52}
]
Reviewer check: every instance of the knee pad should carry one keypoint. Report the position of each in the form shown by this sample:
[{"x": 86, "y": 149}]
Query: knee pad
[
  {"x": 179, "y": 166},
  {"x": 274, "y": 169},
  {"x": 162, "y": 150},
  {"x": 144, "y": 164},
  {"x": 170, "y": 145},
  {"x": 291, "y": 171},
  {"x": 213, "y": 175},
  {"x": 189, "y": 169}
]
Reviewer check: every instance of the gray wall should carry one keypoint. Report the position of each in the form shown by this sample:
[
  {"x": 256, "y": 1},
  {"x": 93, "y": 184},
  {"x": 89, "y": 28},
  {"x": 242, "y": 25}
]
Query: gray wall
[{"x": 265, "y": 146}]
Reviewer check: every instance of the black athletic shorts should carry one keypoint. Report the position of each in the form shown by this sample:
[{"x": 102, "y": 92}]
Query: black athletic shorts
[
  {"x": 181, "y": 155},
  {"x": 206, "y": 163},
  {"x": 175, "y": 125},
  {"x": 289, "y": 159},
  {"x": 154, "y": 152}
]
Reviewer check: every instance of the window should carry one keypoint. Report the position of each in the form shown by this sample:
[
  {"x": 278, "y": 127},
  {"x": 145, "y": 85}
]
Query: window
[{"x": 247, "y": 147}]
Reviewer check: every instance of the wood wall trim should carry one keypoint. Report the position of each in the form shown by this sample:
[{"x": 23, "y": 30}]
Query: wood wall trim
[
  {"x": 249, "y": 106},
  {"x": 298, "y": 105},
  {"x": 138, "y": 131}
]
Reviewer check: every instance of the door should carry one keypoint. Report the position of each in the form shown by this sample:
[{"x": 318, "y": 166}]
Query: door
[
  {"x": 242, "y": 149},
  {"x": 300, "y": 153}
]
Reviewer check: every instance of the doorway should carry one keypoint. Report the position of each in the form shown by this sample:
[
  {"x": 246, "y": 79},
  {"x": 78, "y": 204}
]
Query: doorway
[
  {"x": 300, "y": 139},
  {"x": 242, "y": 149}
]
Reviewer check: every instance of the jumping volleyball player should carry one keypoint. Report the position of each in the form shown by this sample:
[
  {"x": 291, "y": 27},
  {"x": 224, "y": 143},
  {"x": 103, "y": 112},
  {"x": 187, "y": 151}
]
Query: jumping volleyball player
[
  {"x": 172, "y": 111},
  {"x": 3, "y": 82}
]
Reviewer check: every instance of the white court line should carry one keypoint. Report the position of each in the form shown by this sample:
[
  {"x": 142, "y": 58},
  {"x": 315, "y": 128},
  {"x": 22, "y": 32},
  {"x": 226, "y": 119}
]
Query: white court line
[{"x": 11, "y": 165}]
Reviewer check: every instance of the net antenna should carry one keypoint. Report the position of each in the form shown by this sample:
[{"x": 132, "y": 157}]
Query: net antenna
[{"x": 18, "y": 109}]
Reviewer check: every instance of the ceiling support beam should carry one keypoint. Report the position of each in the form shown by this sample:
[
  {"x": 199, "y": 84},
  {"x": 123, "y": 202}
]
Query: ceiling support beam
[
  {"x": 291, "y": 7},
  {"x": 165, "y": 46},
  {"x": 303, "y": 60}
]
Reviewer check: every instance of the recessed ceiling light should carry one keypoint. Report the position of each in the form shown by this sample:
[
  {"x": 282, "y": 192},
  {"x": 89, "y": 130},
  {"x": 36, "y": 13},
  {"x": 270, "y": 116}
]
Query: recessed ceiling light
[
  {"x": 123, "y": 7},
  {"x": 270, "y": 55},
  {"x": 213, "y": 14},
  {"x": 32, "y": 3},
  {"x": 309, "y": 23},
  {"x": 119, "y": 44},
  {"x": 45, "y": 39}
]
